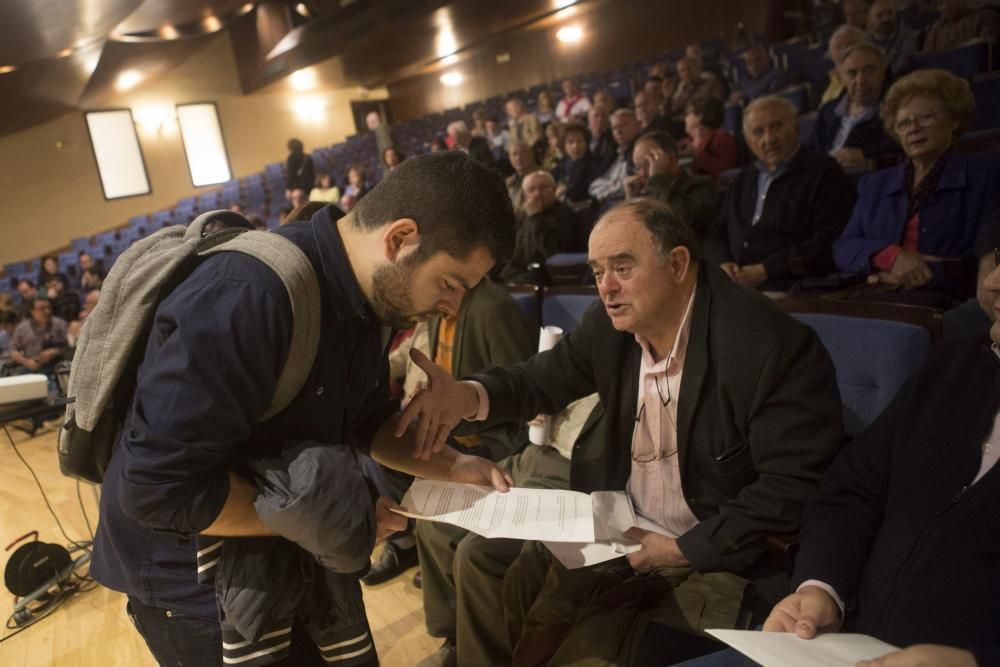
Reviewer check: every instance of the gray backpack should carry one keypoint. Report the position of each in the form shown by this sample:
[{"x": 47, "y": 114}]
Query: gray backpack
[{"x": 113, "y": 340}]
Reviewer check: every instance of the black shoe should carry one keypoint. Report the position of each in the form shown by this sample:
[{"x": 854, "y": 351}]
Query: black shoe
[
  {"x": 446, "y": 656},
  {"x": 418, "y": 579},
  {"x": 392, "y": 562}
]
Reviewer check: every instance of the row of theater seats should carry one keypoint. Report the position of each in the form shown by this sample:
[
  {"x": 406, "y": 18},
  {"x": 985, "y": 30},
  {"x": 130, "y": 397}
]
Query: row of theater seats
[{"x": 874, "y": 347}]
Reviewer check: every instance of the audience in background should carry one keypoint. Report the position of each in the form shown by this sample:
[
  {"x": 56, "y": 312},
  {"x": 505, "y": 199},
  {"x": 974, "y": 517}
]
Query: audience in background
[
  {"x": 544, "y": 109},
  {"x": 522, "y": 160},
  {"x": 391, "y": 157},
  {"x": 38, "y": 341},
  {"x": 300, "y": 174},
  {"x": 8, "y": 322},
  {"x": 658, "y": 175},
  {"x": 710, "y": 146},
  {"x": 604, "y": 100},
  {"x": 545, "y": 227},
  {"x": 84, "y": 263},
  {"x": 889, "y": 33},
  {"x": 609, "y": 188},
  {"x": 477, "y": 147},
  {"x": 711, "y": 66},
  {"x": 93, "y": 278},
  {"x": 524, "y": 127},
  {"x": 325, "y": 190},
  {"x": 959, "y": 23},
  {"x": 28, "y": 293},
  {"x": 65, "y": 304},
  {"x": 694, "y": 85},
  {"x": 578, "y": 167},
  {"x": 855, "y": 13},
  {"x": 50, "y": 269},
  {"x": 762, "y": 78},
  {"x": 574, "y": 103},
  {"x": 89, "y": 303},
  {"x": 297, "y": 197},
  {"x": 850, "y": 128},
  {"x": 357, "y": 187},
  {"x": 553, "y": 152},
  {"x": 841, "y": 40},
  {"x": 782, "y": 214},
  {"x": 602, "y": 140},
  {"x": 478, "y": 128},
  {"x": 383, "y": 137},
  {"x": 497, "y": 137},
  {"x": 915, "y": 225},
  {"x": 647, "y": 113}
]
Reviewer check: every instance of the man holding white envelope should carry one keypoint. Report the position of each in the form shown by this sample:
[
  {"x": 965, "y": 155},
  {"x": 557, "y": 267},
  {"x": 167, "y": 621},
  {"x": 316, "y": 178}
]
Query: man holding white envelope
[{"x": 722, "y": 414}]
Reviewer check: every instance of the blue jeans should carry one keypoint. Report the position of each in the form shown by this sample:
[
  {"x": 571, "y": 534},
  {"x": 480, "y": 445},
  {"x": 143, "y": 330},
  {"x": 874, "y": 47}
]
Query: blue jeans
[{"x": 180, "y": 640}]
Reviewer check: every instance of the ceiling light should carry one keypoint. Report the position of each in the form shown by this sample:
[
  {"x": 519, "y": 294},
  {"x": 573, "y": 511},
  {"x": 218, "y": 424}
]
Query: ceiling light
[
  {"x": 309, "y": 109},
  {"x": 6, "y": 69},
  {"x": 246, "y": 9},
  {"x": 212, "y": 23},
  {"x": 302, "y": 10},
  {"x": 560, "y": 4},
  {"x": 452, "y": 78},
  {"x": 303, "y": 79},
  {"x": 128, "y": 79},
  {"x": 570, "y": 34},
  {"x": 65, "y": 52},
  {"x": 153, "y": 118},
  {"x": 445, "y": 42},
  {"x": 169, "y": 32}
]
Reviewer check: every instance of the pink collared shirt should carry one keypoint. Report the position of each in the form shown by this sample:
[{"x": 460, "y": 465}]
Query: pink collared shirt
[{"x": 654, "y": 484}]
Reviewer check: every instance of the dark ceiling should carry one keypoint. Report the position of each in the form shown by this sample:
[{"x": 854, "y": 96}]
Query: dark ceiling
[{"x": 59, "y": 55}]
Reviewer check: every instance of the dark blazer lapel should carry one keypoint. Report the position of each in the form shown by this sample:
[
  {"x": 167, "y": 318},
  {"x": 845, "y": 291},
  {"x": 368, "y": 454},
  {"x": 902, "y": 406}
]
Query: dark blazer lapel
[
  {"x": 695, "y": 363},
  {"x": 433, "y": 326},
  {"x": 627, "y": 400}
]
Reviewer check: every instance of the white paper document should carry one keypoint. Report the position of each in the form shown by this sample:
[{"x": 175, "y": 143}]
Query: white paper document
[
  {"x": 613, "y": 515},
  {"x": 525, "y": 514},
  {"x": 785, "y": 649}
]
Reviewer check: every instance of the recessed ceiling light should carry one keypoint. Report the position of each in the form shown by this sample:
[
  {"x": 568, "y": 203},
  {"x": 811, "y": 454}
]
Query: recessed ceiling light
[
  {"x": 65, "y": 52},
  {"x": 169, "y": 32},
  {"x": 570, "y": 34},
  {"x": 303, "y": 79},
  {"x": 452, "y": 78},
  {"x": 6, "y": 69},
  {"x": 302, "y": 10},
  {"x": 212, "y": 23},
  {"x": 245, "y": 9}
]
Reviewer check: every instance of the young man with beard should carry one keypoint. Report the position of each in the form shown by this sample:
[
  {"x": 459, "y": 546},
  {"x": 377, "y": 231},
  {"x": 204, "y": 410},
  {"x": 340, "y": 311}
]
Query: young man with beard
[{"x": 411, "y": 249}]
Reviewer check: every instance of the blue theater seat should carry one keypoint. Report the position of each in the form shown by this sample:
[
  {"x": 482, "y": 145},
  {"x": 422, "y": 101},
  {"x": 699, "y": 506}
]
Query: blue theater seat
[
  {"x": 564, "y": 307},
  {"x": 966, "y": 60}
]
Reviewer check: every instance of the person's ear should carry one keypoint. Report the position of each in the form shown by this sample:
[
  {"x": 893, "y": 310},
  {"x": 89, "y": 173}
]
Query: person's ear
[
  {"x": 680, "y": 263},
  {"x": 400, "y": 238}
]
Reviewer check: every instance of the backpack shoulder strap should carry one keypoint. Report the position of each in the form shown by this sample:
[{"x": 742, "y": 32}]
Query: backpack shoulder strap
[{"x": 296, "y": 272}]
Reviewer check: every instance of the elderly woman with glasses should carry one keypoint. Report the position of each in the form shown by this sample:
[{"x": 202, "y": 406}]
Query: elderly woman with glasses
[{"x": 915, "y": 225}]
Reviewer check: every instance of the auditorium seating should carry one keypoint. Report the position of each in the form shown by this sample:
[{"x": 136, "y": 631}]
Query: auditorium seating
[{"x": 564, "y": 307}]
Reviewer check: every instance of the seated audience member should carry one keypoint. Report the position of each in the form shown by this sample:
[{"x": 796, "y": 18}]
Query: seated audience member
[
  {"x": 477, "y": 147},
  {"x": 498, "y": 138},
  {"x": 654, "y": 88},
  {"x": 889, "y": 33},
  {"x": 602, "y": 139},
  {"x": 711, "y": 66},
  {"x": 93, "y": 278},
  {"x": 755, "y": 438},
  {"x": 762, "y": 77},
  {"x": 711, "y": 148},
  {"x": 658, "y": 174},
  {"x": 438, "y": 144},
  {"x": 544, "y": 109},
  {"x": 478, "y": 128},
  {"x": 900, "y": 542},
  {"x": 602, "y": 98},
  {"x": 578, "y": 167},
  {"x": 545, "y": 227},
  {"x": 391, "y": 157},
  {"x": 300, "y": 174},
  {"x": 50, "y": 269},
  {"x": 914, "y": 225},
  {"x": 325, "y": 189},
  {"x": 694, "y": 85},
  {"x": 65, "y": 304},
  {"x": 522, "y": 160},
  {"x": 357, "y": 187},
  {"x": 574, "y": 103},
  {"x": 609, "y": 187},
  {"x": 524, "y": 127},
  {"x": 383, "y": 135},
  {"x": 841, "y": 40},
  {"x": 668, "y": 87},
  {"x": 488, "y": 330},
  {"x": 8, "y": 322},
  {"x": 89, "y": 303},
  {"x": 298, "y": 197},
  {"x": 553, "y": 146},
  {"x": 38, "y": 341},
  {"x": 850, "y": 128},
  {"x": 782, "y": 214},
  {"x": 960, "y": 23},
  {"x": 647, "y": 113},
  {"x": 28, "y": 293},
  {"x": 463, "y": 572},
  {"x": 84, "y": 262},
  {"x": 855, "y": 13}
]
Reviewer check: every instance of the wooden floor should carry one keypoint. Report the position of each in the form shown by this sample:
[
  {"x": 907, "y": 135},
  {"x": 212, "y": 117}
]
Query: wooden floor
[{"x": 91, "y": 629}]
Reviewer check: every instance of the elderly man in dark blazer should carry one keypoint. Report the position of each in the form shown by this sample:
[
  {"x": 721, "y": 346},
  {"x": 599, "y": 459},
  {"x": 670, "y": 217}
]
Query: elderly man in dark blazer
[{"x": 722, "y": 414}]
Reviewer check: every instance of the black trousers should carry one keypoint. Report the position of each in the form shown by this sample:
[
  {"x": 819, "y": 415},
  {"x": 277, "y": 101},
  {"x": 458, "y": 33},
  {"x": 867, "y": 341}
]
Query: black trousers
[{"x": 179, "y": 640}]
